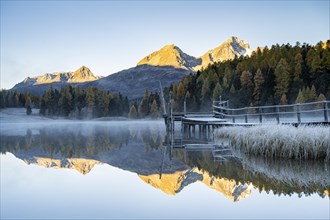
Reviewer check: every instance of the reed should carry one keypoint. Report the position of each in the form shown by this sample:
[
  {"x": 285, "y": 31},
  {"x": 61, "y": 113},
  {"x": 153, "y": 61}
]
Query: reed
[{"x": 283, "y": 141}]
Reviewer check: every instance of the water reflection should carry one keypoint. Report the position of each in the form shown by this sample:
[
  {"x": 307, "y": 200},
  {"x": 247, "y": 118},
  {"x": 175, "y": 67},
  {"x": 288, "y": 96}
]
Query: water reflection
[{"x": 164, "y": 162}]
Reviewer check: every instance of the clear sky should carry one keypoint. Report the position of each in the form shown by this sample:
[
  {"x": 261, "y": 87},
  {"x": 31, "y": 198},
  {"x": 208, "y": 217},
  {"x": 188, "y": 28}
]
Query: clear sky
[{"x": 108, "y": 36}]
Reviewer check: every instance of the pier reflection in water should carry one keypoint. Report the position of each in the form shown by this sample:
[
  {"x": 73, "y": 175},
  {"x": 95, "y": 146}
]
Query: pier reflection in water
[{"x": 167, "y": 162}]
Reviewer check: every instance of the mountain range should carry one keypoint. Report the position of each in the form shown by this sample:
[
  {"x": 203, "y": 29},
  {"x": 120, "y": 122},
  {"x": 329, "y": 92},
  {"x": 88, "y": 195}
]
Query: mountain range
[
  {"x": 167, "y": 65},
  {"x": 171, "y": 55}
]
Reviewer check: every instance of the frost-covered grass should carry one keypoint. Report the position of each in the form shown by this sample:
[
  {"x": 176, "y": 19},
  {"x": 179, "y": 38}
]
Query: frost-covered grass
[{"x": 284, "y": 141}]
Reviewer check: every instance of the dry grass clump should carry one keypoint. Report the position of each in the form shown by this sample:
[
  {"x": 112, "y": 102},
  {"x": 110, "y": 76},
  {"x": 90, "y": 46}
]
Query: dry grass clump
[{"x": 284, "y": 141}]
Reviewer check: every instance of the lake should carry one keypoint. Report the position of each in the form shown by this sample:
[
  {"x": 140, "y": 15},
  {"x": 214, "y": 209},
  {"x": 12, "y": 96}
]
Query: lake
[{"x": 127, "y": 169}]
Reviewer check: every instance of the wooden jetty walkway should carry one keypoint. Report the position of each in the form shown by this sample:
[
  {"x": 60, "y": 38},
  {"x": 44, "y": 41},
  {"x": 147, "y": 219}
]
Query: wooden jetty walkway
[
  {"x": 313, "y": 113},
  {"x": 197, "y": 127}
]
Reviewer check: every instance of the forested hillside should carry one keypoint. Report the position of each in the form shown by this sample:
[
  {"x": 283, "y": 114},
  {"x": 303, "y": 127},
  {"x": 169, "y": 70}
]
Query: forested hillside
[{"x": 277, "y": 75}]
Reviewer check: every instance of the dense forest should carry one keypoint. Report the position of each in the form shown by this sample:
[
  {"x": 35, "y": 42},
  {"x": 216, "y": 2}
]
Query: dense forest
[
  {"x": 82, "y": 103},
  {"x": 75, "y": 102},
  {"x": 278, "y": 75}
]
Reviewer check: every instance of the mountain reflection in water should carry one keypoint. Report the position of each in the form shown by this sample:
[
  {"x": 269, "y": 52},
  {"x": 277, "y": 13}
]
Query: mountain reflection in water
[{"x": 143, "y": 149}]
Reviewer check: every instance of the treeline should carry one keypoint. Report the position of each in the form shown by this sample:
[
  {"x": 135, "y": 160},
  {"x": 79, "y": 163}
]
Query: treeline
[
  {"x": 149, "y": 106},
  {"x": 82, "y": 103},
  {"x": 10, "y": 99},
  {"x": 278, "y": 75}
]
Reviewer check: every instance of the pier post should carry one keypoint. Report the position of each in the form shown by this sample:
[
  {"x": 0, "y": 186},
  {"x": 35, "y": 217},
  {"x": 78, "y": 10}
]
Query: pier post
[
  {"x": 246, "y": 118},
  {"x": 193, "y": 131},
  {"x": 232, "y": 113},
  {"x": 184, "y": 107},
  {"x": 278, "y": 114},
  {"x": 325, "y": 110},
  {"x": 260, "y": 115},
  {"x": 298, "y": 113},
  {"x": 189, "y": 131},
  {"x": 206, "y": 131},
  {"x": 202, "y": 133}
]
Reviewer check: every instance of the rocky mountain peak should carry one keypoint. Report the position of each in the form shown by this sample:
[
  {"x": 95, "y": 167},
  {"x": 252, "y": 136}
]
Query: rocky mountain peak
[
  {"x": 83, "y": 74},
  {"x": 169, "y": 55},
  {"x": 228, "y": 50}
]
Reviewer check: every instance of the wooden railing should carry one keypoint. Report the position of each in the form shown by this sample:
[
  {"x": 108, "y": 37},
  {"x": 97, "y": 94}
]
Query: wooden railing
[{"x": 297, "y": 113}]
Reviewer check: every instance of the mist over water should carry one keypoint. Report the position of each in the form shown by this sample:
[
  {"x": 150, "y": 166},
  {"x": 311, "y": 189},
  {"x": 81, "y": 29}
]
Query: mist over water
[{"x": 127, "y": 169}]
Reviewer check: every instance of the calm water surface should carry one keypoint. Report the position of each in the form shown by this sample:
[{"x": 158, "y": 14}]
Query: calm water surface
[{"x": 127, "y": 170}]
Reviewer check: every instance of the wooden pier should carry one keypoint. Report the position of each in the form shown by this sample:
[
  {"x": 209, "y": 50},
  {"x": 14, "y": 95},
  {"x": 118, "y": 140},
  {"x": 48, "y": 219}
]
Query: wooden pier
[
  {"x": 196, "y": 128},
  {"x": 203, "y": 124}
]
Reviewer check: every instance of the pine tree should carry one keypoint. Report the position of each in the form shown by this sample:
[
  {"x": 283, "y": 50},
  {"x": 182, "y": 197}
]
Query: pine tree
[
  {"x": 217, "y": 91},
  {"x": 143, "y": 109},
  {"x": 90, "y": 100},
  {"x": 300, "y": 97},
  {"x": 28, "y": 106},
  {"x": 132, "y": 112},
  {"x": 206, "y": 89},
  {"x": 16, "y": 100},
  {"x": 282, "y": 78},
  {"x": 321, "y": 98},
  {"x": 258, "y": 83},
  {"x": 232, "y": 89},
  {"x": 79, "y": 100},
  {"x": 154, "y": 112},
  {"x": 2, "y": 98},
  {"x": 246, "y": 80},
  {"x": 65, "y": 101},
  {"x": 312, "y": 96},
  {"x": 298, "y": 68},
  {"x": 283, "y": 100},
  {"x": 313, "y": 60}
]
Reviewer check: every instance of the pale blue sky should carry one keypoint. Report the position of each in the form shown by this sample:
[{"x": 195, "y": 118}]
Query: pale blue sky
[{"x": 108, "y": 36}]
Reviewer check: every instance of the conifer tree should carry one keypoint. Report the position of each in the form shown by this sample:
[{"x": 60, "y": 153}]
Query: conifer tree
[
  {"x": 298, "y": 68},
  {"x": 246, "y": 80},
  {"x": 154, "y": 110},
  {"x": 143, "y": 109},
  {"x": 132, "y": 112},
  {"x": 300, "y": 98},
  {"x": 217, "y": 91},
  {"x": 28, "y": 106},
  {"x": 258, "y": 83},
  {"x": 321, "y": 98},
  {"x": 283, "y": 100},
  {"x": 282, "y": 78},
  {"x": 65, "y": 101}
]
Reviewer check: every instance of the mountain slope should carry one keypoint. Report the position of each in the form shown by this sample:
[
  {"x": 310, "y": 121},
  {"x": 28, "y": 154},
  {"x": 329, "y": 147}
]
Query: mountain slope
[
  {"x": 37, "y": 85},
  {"x": 83, "y": 74},
  {"x": 226, "y": 51},
  {"x": 170, "y": 55},
  {"x": 133, "y": 81}
]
